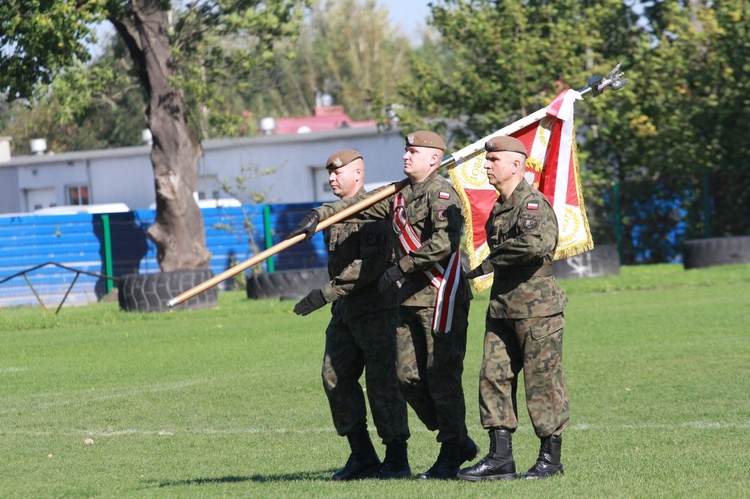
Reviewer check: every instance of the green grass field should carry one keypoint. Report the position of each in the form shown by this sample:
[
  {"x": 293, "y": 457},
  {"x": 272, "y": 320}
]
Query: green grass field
[{"x": 229, "y": 402}]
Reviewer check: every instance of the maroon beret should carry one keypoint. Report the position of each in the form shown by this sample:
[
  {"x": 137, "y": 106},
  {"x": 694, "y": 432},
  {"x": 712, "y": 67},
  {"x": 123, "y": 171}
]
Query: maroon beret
[
  {"x": 425, "y": 138},
  {"x": 342, "y": 158},
  {"x": 505, "y": 143}
]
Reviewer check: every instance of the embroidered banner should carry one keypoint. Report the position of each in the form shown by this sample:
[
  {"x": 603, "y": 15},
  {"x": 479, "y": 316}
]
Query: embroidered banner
[{"x": 552, "y": 167}]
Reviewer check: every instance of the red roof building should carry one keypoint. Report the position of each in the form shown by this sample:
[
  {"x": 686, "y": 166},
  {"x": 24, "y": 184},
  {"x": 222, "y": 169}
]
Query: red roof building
[{"x": 324, "y": 118}]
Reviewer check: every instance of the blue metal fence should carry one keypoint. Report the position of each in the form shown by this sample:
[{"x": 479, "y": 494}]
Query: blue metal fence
[{"x": 79, "y": 241}]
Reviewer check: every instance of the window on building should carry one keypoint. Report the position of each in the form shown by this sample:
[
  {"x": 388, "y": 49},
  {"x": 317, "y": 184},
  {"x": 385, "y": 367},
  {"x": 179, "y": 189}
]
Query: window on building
[
  {"x": 214, "y": 195},
  {"x": 78, "y": 195}
]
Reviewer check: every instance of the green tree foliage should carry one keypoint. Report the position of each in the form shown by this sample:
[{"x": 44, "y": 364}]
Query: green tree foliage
[
  {"x": 89, "y": 106},
  {"x": 502, "y": 60},
  {"x": 223, "y": 54},
  {"x": 182, "y": 58},
  {"x": 346, "y": 48},
  {"x": 704, "y": 64},
  {"x": 39, "y": 37},
  {"x": 676, "y": 140}
]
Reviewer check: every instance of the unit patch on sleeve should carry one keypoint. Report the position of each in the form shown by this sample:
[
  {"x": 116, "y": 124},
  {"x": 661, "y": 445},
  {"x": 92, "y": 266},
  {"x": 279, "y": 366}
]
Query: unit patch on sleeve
[
  {"x": 440, "y": 213},
  {"x": 529, "y": 221},
  {"x": 444, "y": 195}
]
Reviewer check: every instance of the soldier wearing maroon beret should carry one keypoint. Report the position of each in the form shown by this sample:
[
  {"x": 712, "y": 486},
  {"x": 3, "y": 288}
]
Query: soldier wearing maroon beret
[
  {"x": 434, "y": 296},
  {"x": 524, "y": 323},
  {"x": 360, "y": 336}
]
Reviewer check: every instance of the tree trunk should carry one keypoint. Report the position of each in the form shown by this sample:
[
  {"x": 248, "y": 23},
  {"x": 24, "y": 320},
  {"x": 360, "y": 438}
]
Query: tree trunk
[
  {"x": 695, "y": 6},
  {"x": 178, "y": 230}
]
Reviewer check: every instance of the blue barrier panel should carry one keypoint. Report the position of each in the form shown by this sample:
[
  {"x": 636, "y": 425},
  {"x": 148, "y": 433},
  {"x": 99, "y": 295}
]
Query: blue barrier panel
[
  {"x": 305, "y": 255},
  {"x": 29, "y": 241},
  {"x": 77, "y": 241}
]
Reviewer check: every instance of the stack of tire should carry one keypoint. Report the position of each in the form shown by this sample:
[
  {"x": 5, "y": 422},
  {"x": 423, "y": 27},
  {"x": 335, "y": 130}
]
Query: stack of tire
[
  {"x": 701, "y": 253},
  {"x": 151, "y": 292},
  {"x": 285, "y": 284}
]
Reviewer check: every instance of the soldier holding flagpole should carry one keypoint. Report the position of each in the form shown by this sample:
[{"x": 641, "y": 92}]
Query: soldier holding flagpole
[
  {"x": 359, "y": 336},
  {"x": 433, "y": 293}
]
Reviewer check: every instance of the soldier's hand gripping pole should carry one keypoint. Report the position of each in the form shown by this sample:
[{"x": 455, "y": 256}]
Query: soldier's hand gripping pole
[{"x": 342, "y": 215}]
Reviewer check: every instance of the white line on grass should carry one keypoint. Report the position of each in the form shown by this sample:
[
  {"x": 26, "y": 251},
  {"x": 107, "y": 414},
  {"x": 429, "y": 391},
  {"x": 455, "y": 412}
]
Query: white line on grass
[
  {"x": 13, "y": 369},
  {"x": 700, "y": 425},
  {"x": 94, "y": 395}
]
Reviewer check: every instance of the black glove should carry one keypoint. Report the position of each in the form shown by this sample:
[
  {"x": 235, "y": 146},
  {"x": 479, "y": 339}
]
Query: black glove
[
  {"x": 393, "y": 275},
  {"x": 476, "y": 272},
  {"x": 313, "y": 301},
  {"x": 307, "y": 226}
]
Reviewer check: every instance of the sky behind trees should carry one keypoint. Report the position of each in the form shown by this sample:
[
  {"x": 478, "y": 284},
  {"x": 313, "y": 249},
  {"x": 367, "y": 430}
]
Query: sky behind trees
[{"x": 411, "y": 14}]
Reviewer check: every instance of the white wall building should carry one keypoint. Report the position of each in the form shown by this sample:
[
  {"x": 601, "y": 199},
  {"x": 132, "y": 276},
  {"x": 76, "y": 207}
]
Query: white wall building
[{"x": 125, "y": 175}]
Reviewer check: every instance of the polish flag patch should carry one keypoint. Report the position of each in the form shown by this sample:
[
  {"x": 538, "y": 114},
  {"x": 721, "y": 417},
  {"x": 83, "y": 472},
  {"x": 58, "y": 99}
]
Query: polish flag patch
[
  {"x": 532, "y": 206},
  {"x": 444, "y": 195}
]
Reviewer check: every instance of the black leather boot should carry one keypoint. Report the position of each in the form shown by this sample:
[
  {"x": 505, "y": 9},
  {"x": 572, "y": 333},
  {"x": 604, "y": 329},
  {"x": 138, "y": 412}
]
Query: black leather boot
[
  {"x": 469, "y": 450},
  {"x": 362, "y": 461},
  {"x": 395, "y": 464},
  {"x": 548, "y": 463},
  {"x": 498, "y": 464},
  {"x": 447, "y": 463}
]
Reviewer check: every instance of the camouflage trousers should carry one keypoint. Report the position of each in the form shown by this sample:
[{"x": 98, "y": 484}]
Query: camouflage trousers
[
  {"x": 430, "y": 366},
  {"x": 534, "y": 345},
  {"x": 366, "y": 344}
]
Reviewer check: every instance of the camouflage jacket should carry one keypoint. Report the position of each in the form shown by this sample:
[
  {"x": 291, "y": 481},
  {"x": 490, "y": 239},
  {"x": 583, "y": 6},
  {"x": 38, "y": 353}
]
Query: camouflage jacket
[
  {"x": 434, "y": 211},
  {"x": 356, "y": 260},
  {"x": 522, "y": 236}
]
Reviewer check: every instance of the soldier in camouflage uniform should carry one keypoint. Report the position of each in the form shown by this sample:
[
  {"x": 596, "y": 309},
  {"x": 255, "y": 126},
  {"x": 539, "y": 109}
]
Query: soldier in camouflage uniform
[
  {"x": 430, "y": 354},
  {"x": 524, "y": 323},
  {"x": 360, "y": 336}
]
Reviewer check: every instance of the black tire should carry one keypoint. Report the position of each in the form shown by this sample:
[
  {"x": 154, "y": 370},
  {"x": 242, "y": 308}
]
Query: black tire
[
  {"x": 701, "y": 253},
  {"x": 285, "y": 284},
  {"x": 151, "y": 292},
  {"x": 600, "y": 261}
]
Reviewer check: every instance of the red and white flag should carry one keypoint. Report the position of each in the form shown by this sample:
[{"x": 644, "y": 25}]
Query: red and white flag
[{"x": 551, "y": 167}]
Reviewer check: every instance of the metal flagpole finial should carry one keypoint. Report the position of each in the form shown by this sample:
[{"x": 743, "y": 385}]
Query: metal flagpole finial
[{"x": 614, "y": 80}]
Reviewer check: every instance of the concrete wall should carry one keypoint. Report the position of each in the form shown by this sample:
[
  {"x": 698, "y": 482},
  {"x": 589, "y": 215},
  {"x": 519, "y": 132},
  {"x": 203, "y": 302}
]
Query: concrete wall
[
  {"x": 128, "y": 180},
  {"x": 297, "y": 158},
  {"x": 10, "y": 196}
]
